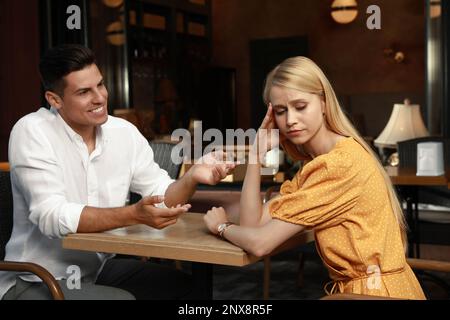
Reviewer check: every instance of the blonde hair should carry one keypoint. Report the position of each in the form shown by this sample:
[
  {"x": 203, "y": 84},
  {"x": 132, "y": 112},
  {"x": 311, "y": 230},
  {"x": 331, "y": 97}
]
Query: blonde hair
[{"x": 301, "y": 73}]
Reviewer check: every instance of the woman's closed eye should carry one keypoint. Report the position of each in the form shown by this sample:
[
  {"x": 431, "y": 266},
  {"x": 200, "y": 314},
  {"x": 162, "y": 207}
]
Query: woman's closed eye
[{"x": 280, "y": 111}]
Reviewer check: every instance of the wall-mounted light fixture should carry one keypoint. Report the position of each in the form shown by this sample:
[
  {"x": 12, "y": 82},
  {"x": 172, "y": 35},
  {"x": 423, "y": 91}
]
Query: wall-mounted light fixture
[
  {"x": 113, "y": 3},
  {"x": 435, "y": 8},
  {"x": 115, "y": 33},
  {"x": 344, "y": 11},
  {"x": 396, "y": 55}
]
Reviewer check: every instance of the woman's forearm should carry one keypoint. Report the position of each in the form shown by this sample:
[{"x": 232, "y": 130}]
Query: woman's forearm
[
  {"x": 262, "y": 240},
  {"x": 250, "y": 208},
  {"x": 248, "y": 239}
]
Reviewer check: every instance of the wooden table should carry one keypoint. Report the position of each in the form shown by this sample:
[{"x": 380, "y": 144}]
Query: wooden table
[
  {"x": 187, "y": 240},
  {"x": 408, "y": 183},
  {"x": 408, "y": 177}
]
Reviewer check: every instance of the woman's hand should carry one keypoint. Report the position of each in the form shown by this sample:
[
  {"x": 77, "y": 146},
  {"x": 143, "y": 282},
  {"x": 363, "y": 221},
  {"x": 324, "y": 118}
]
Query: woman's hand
[
  {"x": 267, "y": 136},
  {"x": 214, "y": 217}
]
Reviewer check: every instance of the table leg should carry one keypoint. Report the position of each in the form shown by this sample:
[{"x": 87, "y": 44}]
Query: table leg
[
  {"x": 415, "y": 197},
  {"x": 202, "y": 274},
  {"x": 409, "y": 194}
]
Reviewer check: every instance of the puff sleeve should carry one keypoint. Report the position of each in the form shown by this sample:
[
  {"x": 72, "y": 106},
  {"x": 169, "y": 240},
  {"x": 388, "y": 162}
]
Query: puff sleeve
[{"x": 320, "y": 194}]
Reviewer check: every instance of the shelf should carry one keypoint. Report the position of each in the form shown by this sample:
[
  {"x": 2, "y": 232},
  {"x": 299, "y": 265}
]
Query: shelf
[{"x": 171, "y": 40}]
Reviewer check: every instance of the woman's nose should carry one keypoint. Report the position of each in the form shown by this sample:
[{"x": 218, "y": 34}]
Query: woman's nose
[{"x": 290, "y": 118}]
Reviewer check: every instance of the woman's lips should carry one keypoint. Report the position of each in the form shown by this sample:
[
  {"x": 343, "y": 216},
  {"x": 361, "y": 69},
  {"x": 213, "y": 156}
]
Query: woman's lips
[{"x": 295, "y": 133}]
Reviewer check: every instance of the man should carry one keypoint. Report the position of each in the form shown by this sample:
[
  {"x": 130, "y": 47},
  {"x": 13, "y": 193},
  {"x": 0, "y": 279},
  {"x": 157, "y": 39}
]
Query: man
[{"x": 72, "y": 168}]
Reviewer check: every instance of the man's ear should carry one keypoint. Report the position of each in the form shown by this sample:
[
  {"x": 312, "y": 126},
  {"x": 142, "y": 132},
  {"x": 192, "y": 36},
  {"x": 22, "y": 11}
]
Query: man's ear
[{"x": 53, "y": 99}]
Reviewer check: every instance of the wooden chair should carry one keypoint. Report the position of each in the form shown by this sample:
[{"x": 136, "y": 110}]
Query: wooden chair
[{"x": 6, "y": 222}]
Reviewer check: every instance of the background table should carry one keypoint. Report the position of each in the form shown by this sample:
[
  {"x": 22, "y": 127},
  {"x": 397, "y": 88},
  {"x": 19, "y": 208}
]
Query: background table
[{"x": 408, "y": 183}]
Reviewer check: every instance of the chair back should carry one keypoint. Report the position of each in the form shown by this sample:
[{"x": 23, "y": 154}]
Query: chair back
[
  {"x": 6, "y": 211},
  {"x": 407, "y": 151},
  {"x": 162, "y": 155},
  {"x": 162, "y": 151}
]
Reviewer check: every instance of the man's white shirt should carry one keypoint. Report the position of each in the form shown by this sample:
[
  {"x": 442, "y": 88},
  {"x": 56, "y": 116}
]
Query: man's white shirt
[{"x": 54, "y": 177}]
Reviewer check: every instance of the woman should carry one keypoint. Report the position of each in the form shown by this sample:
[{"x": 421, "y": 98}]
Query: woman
[{"x": 342, "y": 191}]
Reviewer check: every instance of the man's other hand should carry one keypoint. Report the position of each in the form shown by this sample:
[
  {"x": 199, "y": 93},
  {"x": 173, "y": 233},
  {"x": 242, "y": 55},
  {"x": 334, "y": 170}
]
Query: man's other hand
[
  {"x": 147, "y": 213},
  {"x": 211, "y": 168}
]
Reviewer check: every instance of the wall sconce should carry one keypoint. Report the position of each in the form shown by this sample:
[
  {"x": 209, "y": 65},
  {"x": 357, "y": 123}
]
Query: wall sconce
[
  {"x": 115, "y": 34},
  {"x": 396, "y": 55},
  {"x": 113, "y": 3},
  {"x": 435, "y": 9},
  {"x": 344, "y": 11}
]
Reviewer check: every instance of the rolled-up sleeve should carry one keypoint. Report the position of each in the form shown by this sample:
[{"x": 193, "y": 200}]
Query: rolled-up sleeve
[
  {"x": 319, "y": 196},
  {"x": 148, "y": 178},
  {"x": 40, "y": 181}
]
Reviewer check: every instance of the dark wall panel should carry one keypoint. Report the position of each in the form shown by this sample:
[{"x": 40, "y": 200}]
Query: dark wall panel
[{"x": 19, "y": 58}]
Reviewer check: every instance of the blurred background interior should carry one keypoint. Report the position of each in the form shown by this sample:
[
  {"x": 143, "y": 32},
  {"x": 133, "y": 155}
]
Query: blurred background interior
[{"x": 172, "y": 61}]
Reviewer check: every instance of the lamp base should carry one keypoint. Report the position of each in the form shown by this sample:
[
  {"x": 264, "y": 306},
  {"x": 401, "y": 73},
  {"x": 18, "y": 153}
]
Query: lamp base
[
  {"x": 388, "y": 156},
  {"x": 393, "y": 160}
]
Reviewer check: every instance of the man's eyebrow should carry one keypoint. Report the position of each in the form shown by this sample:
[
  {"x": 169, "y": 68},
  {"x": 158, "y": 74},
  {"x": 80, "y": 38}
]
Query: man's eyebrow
[
  {"x": 82, "y": 89},
  {"x": 87, "y": 89}
]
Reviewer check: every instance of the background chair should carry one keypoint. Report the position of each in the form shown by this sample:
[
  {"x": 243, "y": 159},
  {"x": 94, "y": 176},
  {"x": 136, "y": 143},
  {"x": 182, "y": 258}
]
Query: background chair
[
  {"x": 6, "y": 224},
  {"x": 162, "y": 151}
]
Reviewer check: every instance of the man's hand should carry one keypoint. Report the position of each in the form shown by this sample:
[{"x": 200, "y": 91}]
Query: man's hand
[
  {"x": 214, "y": 217},
  {"x": 159, "y": 218},
  {"x": 211, "y": 168}
]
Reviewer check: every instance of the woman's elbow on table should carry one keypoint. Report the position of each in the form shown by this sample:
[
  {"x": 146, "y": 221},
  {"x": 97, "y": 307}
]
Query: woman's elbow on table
[{"x": 260, "y": 247}]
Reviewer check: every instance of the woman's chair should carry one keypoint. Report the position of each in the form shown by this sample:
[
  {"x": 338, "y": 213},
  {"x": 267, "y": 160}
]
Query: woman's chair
[{"x": 6, "y": 224}]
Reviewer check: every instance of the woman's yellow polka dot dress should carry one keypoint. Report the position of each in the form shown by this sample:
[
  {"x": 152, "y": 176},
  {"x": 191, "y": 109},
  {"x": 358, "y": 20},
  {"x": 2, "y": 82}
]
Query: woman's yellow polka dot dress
[{"x": 343, "y": 197}]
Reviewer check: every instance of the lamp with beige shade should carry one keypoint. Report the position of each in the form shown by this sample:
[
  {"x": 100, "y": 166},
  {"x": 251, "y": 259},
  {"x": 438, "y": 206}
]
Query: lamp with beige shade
[{"x": 405, "y": 123}]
